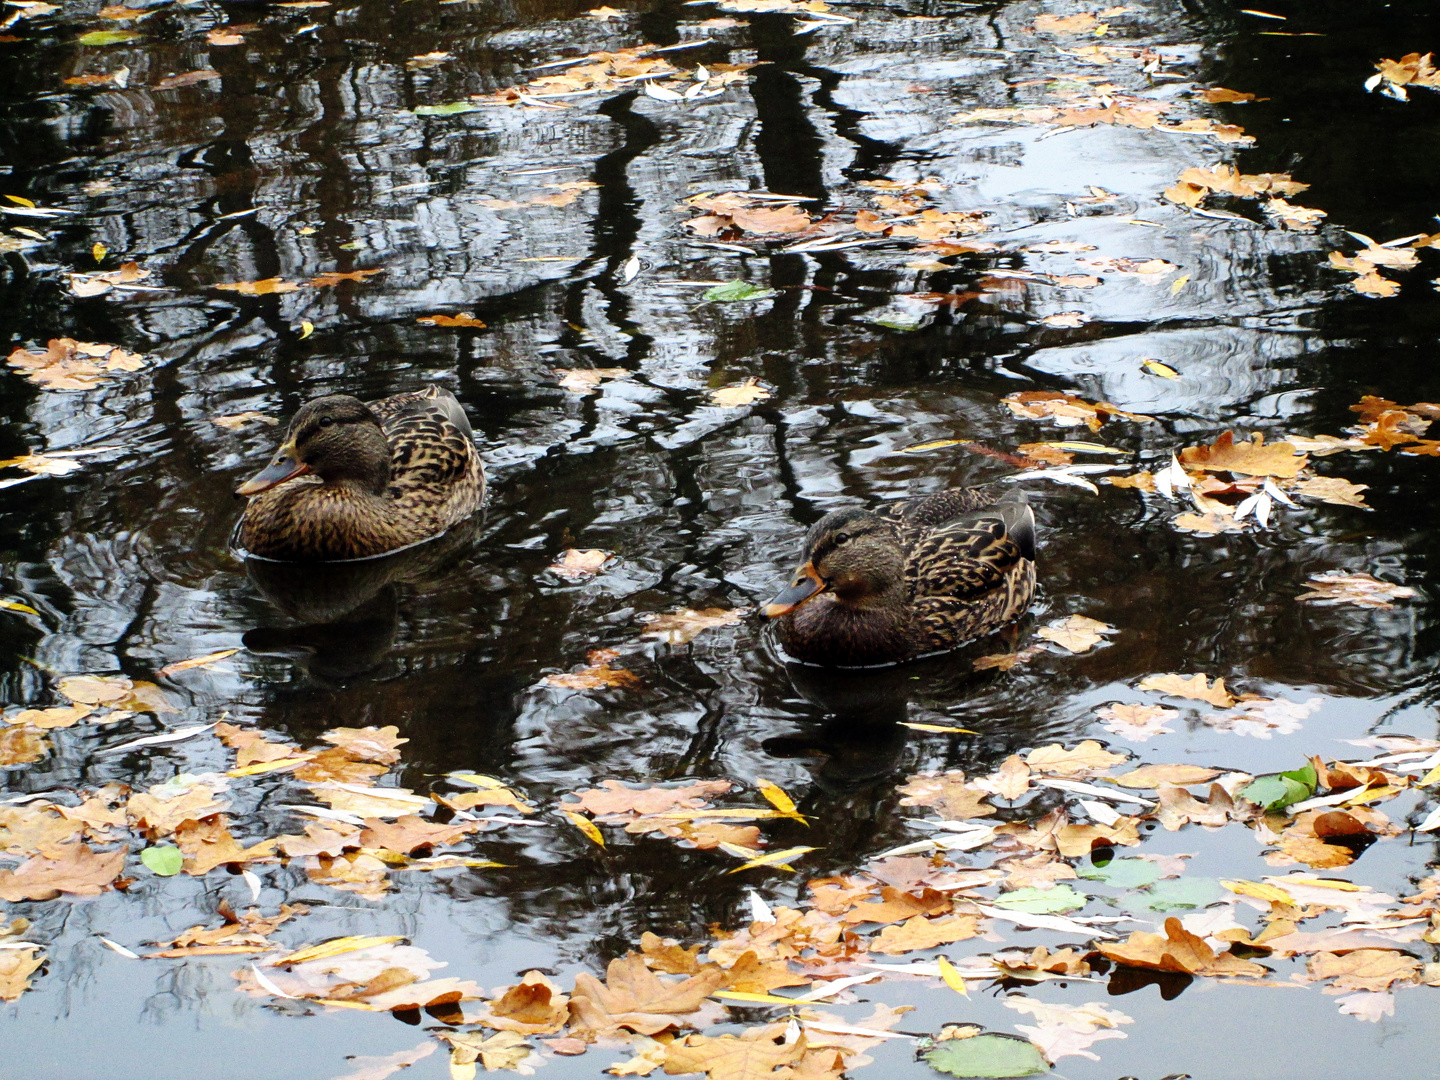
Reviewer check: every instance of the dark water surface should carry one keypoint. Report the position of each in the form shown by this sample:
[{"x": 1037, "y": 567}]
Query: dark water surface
[{"x": 311, "y": 126}]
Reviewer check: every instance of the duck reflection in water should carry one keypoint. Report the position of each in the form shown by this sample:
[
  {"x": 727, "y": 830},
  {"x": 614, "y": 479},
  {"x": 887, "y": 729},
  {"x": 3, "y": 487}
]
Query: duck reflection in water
[{"x": 348, "y": 612}]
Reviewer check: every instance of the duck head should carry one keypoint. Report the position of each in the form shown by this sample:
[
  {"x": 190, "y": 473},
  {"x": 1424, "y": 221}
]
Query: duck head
[
  {"x": 336, "y": 438},
  {"x": 852, "y": 557}
]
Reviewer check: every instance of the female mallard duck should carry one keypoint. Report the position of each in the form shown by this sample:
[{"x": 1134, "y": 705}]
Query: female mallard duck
[
  {"x": 916, "y": 576},
  {"x": 354, "y": 480}
]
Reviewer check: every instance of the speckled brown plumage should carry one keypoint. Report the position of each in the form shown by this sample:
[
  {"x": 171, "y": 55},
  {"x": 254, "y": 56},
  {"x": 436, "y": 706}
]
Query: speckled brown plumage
[
  {"x": 910, "y": 578},
  {"x": 382, "y": 477}
]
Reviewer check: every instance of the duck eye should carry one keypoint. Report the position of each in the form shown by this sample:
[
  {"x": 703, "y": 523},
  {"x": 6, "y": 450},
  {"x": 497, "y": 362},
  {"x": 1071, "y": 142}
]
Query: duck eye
[
  {"x": 842, "y": 538},
  {"x": 326, "y": 421}
]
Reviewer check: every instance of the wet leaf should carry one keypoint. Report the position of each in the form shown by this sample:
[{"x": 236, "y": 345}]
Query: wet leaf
[
  {"x": 1364, "y": 969},
  {"x": 1124, "y": 874},
  {"x": 1076, "y": 633},
  {"x": 224, "y": 35},
  {"x": 1066, "y": 409},
  {"x": 75, "y": 870},
  {"x": 987, "y": 1055},
  {"x": 107, "y": 37},
  {"x": 1052, "y": 901},
  {"x": 259, "y": 288},
  {"x": 1333, "y": 489},
  {"x": 736, "y": 291},
  {"x": 922, "y": 933},
  {"x": 238, "y": 420},
  {"x": 16, "y": 967},
  {"x": 164, "y": 859},
  {"x": 577, "y": 565},
  {"x": 1196, "y": 687},
  {"x": 597, "y": 675},
  {"x": 1152, "y": 776},
  {"x": 67, "y": 364},
  {"x": 1087, "y": 759},
  {"x": 949, "y": 793},
  {"x": 585, "y": 380},
  {"x": 1179, "y": 950},
  {"x": 452, "y": 108},
  {"x": 1010, "y": 781},
  {"x": 197, "y": 661},
  {"x": 207, "y": 843},
  {"x": 452, "y": 320},
  {"x": 1360, "y": 589},
  {"x": 1138, "y": 723},
  {"x": 683, "y": 626},
  {"x": 334, "y": 277},
  {"x": 380, "y": 1068},
  {"x": 189, "y": 78},
  {"x": 745, "y": 393},
  {"x": 634, "y": 998}
]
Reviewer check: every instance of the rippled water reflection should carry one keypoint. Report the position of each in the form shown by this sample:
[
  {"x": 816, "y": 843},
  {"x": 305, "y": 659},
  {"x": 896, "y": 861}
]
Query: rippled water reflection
[{"x": 305, "y": 155}]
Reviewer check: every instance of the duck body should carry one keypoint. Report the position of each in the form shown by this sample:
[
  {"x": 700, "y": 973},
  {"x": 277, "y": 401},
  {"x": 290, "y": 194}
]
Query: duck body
[
  {"x": 352, "y": 481},
  {"x": 911, "y": 578}
]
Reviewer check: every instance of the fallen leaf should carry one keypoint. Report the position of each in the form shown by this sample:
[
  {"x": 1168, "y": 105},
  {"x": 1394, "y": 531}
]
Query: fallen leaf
[
  {"x": 597, "y": 675},
  {"x": 633, "y": 997},
  {"x": 923, "y": 933},
  {"x": 1179, "y": 950},
  {"x": 16, "y": 967},
  {"x": 752, "y": 1055},
  {"x": 452, "y": 320},
  {"x": 334, "y": 277},
  {"x": 585, "y": 380},
  {"x": 75, "y": 870},
  {"x": 1364, "y": 969},
  {"x": 683, "y": 626},
  {"x": 1152, "y": 776},
  {"x": 576, "y": 565},
  {"x": 264, "y": 287},
  {"x": 1196, "y": 687},
  {"x": 1076, "y": 633},
  {"x": 1360, "y": 589},
  {"x": 1087, "y": 759},
  {"x": 67, "y": 364},
  {"x": 948, "y": 792},
  {"x": 1139, "y": 723},
  {"x": 189, "y": 78},
  {"x": 1010, "y": 781},
  {"x": 745, "y": 393}
]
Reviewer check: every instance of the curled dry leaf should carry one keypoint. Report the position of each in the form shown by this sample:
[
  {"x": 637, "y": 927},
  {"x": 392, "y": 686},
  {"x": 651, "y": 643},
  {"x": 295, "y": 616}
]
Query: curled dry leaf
[
  {"x": 683, "y": 626},
  {"x": 1360, "y": 589},
  {"x": 1253, "y": 458},
  {"x": 1066, "y": 409}
]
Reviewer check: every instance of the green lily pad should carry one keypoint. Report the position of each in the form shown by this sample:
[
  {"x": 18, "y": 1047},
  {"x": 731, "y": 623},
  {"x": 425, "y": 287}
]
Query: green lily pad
[
  {"x": 734, "y": 291},
  {"x": 1035, "y": 901},
  {"x": 1123, "y": 873},
  {"x": 1177, "y": 894},
  {"x": 164, "y": 859},
  {"x": 107, "y": 37},
  {"x": 989, "y": 1055},
  {"x": 451, "y": 109}
]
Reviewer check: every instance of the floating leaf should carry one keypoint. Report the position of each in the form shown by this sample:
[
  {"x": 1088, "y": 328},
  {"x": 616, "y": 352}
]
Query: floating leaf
[
  {"x": 107, "y": 37},
  {"x": 164, "y": 859},
  {"x": 988, "y": 1055},
  {"x": 735, "y": 291},
  {"x": 452, "y": 108}
]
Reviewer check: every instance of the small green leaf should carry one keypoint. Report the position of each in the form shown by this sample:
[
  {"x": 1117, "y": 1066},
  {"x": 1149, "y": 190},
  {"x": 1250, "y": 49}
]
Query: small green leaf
[
  {"x": 988, "y": 1055},
  {"x": 1122, "y": 873},
  {"x": 1177, "y": 894},
  {"x": 450, "y": 109},
  {"x": 165, "y": 859},
  {"x": 107, "y": 37},
  {"x": 1282, "y": 789},
  {"x": 1043, "y": 901},
  {"x": 734, "y": 291}
]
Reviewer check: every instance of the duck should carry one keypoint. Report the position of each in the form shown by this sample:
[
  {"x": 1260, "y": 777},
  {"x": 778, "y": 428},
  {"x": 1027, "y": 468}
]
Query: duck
[
  {"x": 354, "y": 481},
  {"x": 909, "y": 579}
]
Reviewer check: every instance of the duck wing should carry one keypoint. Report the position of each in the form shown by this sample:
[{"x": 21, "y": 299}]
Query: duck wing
[
  {"x": 976, "y": 552},
  {"x": 436, "y": 477}
]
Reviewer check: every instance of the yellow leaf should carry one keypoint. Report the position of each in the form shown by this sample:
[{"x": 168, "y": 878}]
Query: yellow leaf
[
  {"x": 335, "y": 947},
  {"x": 268, "y": 766},
  {"x": 777, "y": 798},
  {"x": 1084, "y": 447},
  {"x": 20, "y": 200},
  {"x": 488, "y": 782},
  {"x": 99, "y": 251},
  {"x": 773, "y": 858},
  {"x": 198, "y": 661},
  {"x": 586, "y": 826},
  {"x": 1178, "y": 284},
  {"x": 15, "y": 605},
  {"x": 937, "y": 727},
  {"x": 1270, "y": 893},
  {"x": 1328, "y": 883},
  {"x": 1155, "y": 367},
  {"x": 306, "y": 329},
  {"x": 1425, "y": 781},
  {"x": 951, "y": 974},
  {"x": 920, "y": 448}
]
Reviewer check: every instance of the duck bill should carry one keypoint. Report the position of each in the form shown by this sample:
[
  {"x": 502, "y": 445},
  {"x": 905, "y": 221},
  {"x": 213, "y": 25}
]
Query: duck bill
[
  {"x": 282, "y": 467},
  {"x": 808, "y": 583}
]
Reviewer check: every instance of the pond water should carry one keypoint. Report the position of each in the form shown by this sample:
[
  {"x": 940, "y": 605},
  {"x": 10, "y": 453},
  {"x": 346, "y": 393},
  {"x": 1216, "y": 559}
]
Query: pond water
[{"x": 303, "y": 153}]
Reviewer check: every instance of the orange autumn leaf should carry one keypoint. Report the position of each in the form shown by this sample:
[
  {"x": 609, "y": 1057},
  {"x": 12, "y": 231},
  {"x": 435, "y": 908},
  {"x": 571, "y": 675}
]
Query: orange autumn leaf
[
  {"x": 634, "y": 998},
  {"x": 1179, "y": 950},
  {"x": 263, "y": 287},
  {"x": 452, "y": 320}
]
